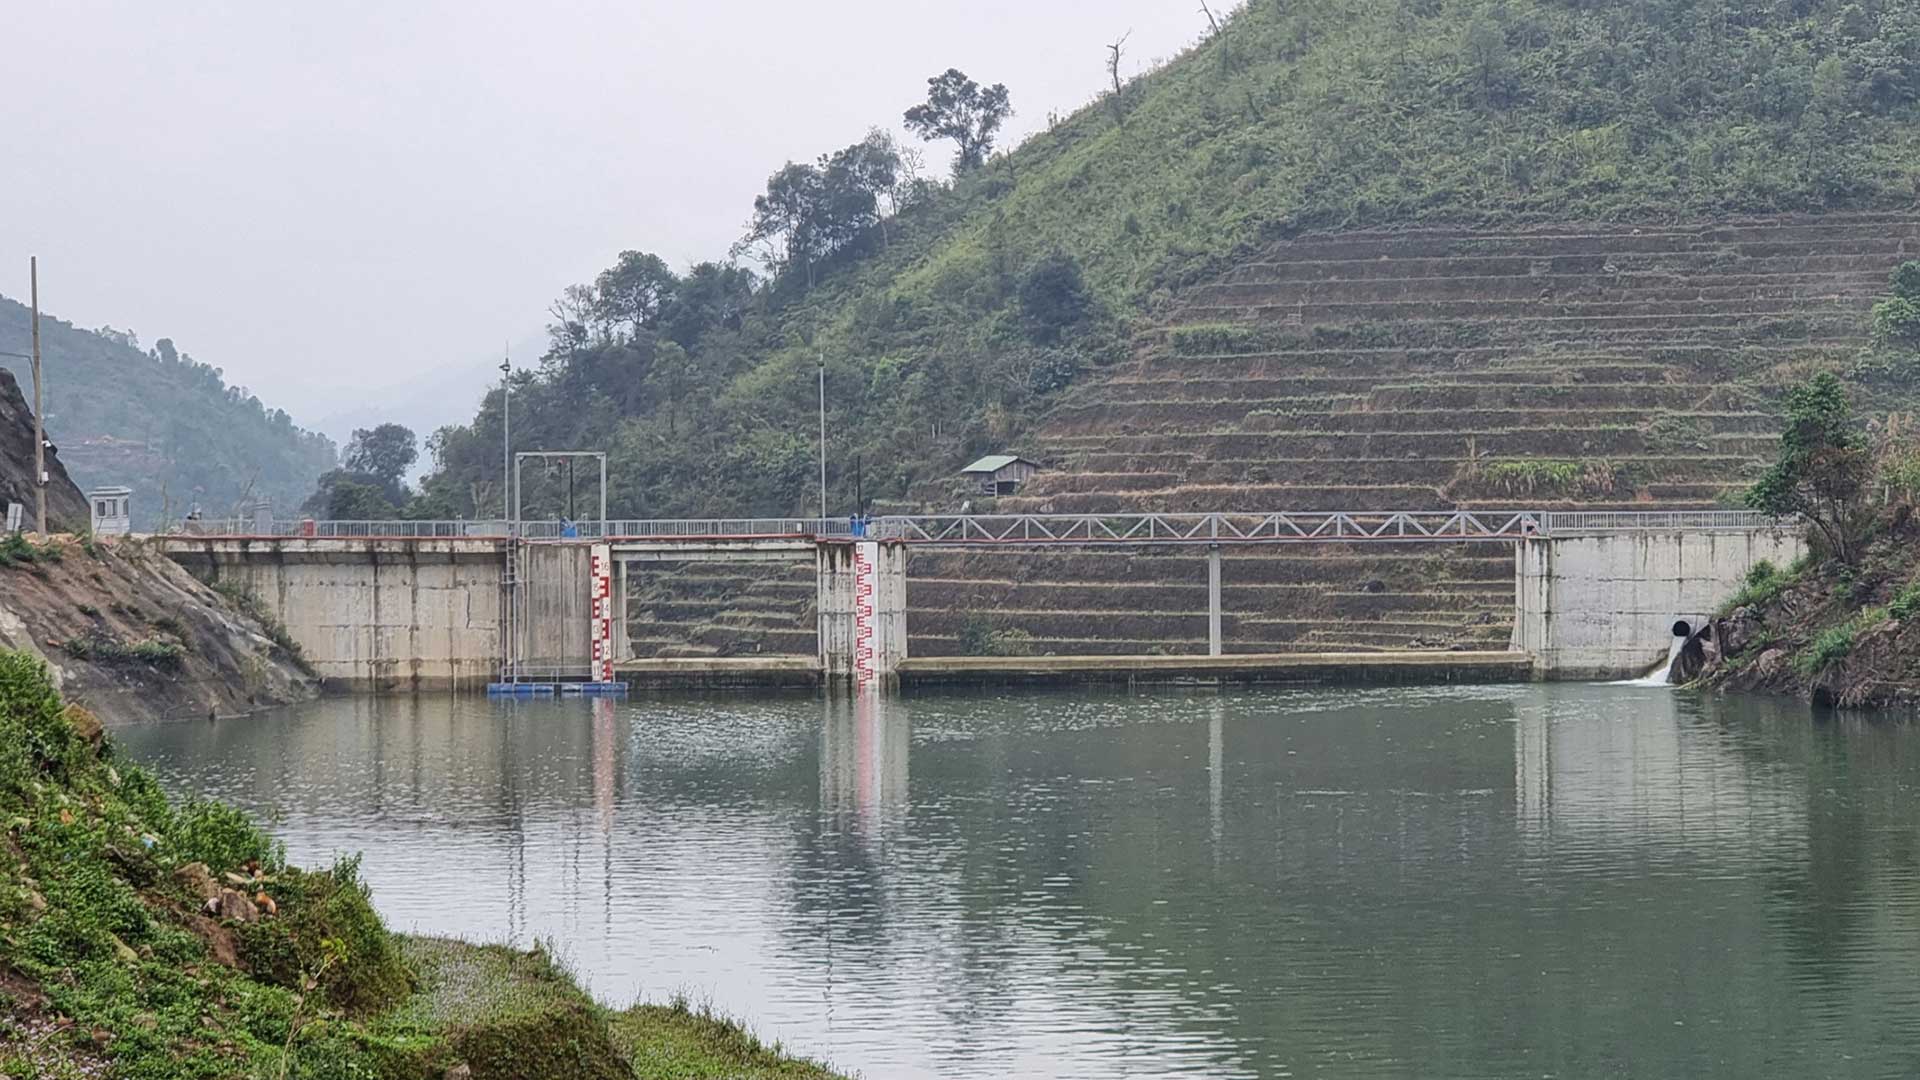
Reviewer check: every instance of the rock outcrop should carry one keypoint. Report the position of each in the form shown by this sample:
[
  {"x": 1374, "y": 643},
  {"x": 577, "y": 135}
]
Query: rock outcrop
[
  {"x": 1833, "y": 634},
  {"x": 66, "y": 506}
]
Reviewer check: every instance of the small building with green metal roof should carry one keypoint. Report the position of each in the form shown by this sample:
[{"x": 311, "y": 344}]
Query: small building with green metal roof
[{"x": 1000, "y": 474}]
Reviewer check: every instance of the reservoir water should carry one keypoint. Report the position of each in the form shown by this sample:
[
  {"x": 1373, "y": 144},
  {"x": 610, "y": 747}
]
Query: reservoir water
[{"x": 1557, "y": 881}]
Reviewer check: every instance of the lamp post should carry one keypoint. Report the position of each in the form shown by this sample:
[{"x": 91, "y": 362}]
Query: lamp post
[
  {"x": 823, "y": 438},
  {"x": 506, "y": 438}
]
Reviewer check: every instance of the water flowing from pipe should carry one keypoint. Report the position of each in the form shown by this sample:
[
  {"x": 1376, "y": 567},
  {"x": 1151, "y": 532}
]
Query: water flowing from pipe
[{"x": 1662, "y": 674}]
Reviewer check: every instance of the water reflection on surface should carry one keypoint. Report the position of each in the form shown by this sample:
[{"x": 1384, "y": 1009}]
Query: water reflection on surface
[{"x": 1498, "y": 881}]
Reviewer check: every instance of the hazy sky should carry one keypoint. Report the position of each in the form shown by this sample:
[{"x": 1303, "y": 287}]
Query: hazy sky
[{"x": 349, "y": 205}]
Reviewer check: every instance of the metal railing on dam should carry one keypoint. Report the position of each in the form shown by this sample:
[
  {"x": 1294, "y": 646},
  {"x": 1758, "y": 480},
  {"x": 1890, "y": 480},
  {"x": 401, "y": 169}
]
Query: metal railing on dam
[{"x": 988, "y": 530}]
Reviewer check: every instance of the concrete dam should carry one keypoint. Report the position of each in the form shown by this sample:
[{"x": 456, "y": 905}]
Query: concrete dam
[{"x": 1593, "y": 595}]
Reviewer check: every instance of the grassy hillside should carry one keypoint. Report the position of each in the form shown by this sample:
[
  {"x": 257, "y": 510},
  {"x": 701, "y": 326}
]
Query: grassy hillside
[
  {"x": 153, "y": 940},
  {"x": 160, "y": 422},
  {"x": 944, "y": 333}
]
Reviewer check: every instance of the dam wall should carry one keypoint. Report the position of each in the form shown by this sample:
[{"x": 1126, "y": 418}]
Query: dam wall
[
  {"x": 430, "y": 613},
  {"x": 1603, "y": 606},
  {"x": 371, "y": 615}
]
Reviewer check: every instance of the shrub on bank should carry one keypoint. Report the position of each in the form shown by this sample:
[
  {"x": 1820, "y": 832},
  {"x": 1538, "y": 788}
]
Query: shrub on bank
[
  {"x": 1835, "y": 643},
  {"x": 1906, "y": 605},
  {"x": 980, "y": 637},
  {"x": 1764, "y": 583},
  {"x": 99, "y": 647}
]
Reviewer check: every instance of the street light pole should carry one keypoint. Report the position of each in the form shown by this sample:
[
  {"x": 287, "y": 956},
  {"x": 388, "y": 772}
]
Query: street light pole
[
  {"x": 506, "y": 438},
  {"x": 39, "y": 427},
  {"x": 823, "y": 436}
]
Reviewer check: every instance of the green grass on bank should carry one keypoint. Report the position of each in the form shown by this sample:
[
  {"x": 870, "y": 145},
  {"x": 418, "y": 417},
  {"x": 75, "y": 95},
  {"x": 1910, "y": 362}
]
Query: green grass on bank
[
  {"x": 678, "y": 1040},
  {"x": 113, "y": 963}
]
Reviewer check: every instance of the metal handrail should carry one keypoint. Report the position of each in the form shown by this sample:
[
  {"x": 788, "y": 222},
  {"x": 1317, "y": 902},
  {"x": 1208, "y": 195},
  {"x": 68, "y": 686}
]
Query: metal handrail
[
  {"x": 1562, "y": 522},
  {"x": 1044, "y": 529}
]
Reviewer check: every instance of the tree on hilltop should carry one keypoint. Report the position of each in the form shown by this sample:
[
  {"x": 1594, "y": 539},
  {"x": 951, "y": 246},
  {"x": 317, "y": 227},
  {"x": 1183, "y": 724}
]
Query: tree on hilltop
[
  {"x": 632, "y": 293},
  {"x": 813, "y": 211},
  {"x": 957, "y": 108},
  {"x": 371, "y": 480},
  {"x": 385, "y": 452}
]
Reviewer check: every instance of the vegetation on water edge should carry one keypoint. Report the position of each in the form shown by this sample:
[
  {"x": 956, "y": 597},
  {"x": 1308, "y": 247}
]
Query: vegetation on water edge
[
  {"x": 1763, "y": 583},
  {"x": 681, "y": 1040},
  {"x": 1840, "y": 624},
  {"x": 155, "y": 940}
]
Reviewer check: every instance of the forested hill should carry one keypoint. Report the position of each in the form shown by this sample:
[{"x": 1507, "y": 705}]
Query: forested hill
[
  {"x": 160, "y": 422},
  {"x": 951, "y": 314}
]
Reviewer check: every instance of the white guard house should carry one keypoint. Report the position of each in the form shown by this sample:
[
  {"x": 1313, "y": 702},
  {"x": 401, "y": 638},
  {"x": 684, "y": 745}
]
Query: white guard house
[
  {"x": 1000, "y": 474},
  {"x": 112, "y": 510}
]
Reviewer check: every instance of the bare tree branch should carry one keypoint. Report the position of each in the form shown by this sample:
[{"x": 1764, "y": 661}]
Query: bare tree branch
[{"x": 1113, "y": 60}]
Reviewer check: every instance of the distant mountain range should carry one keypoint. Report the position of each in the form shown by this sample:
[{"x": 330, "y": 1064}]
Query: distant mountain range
[{"x": 160, "y": 422}]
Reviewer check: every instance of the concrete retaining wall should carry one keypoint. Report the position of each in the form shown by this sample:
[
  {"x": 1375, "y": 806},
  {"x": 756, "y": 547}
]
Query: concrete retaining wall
[
  {"x": 374, "y": 614},
  {"x": 1603, "y": 606}
]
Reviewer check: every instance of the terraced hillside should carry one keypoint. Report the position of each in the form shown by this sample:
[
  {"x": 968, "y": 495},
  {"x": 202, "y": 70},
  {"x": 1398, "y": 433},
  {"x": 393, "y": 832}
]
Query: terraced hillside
[
  {"x": 1592, "y": 366},
  {"x": 1602, "y": 366},
  {"x": 721, "y": 609}
]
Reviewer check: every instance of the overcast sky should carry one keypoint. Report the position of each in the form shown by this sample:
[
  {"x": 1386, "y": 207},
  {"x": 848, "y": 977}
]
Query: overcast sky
[{"x": 349, "y": 205}]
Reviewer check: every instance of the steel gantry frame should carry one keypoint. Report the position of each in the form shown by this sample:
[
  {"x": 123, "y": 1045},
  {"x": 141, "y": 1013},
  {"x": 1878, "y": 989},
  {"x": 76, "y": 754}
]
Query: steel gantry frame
[{"x": 1451, "y": 526}]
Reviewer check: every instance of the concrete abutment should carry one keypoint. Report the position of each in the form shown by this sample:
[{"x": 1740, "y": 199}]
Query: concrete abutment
[{"x": 1603, "y": 606}]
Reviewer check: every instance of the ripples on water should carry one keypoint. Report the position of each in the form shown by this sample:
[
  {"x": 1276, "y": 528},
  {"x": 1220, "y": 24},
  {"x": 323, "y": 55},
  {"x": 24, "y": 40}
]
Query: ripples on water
[{"x": 1482, "y": 881}]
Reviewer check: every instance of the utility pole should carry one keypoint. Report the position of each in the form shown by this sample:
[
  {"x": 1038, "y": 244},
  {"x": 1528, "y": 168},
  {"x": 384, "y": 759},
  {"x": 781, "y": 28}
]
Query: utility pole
[
  {"x": 823, "y": 437},
  {"x": 39, "y": 427},
  {"x": 506, "y": 437}
]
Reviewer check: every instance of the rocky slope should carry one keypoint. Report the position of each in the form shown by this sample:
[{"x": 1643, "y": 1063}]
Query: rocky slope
[
  {"x": 66, "y": 506},
  {"x": 130, "y": 635},
  {"x": 1845, "y": 636}
]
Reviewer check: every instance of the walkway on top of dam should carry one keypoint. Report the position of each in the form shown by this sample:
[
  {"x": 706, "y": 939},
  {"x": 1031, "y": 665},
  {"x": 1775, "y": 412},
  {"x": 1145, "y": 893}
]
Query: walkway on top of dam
[{"x": 991, "y": 530}]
